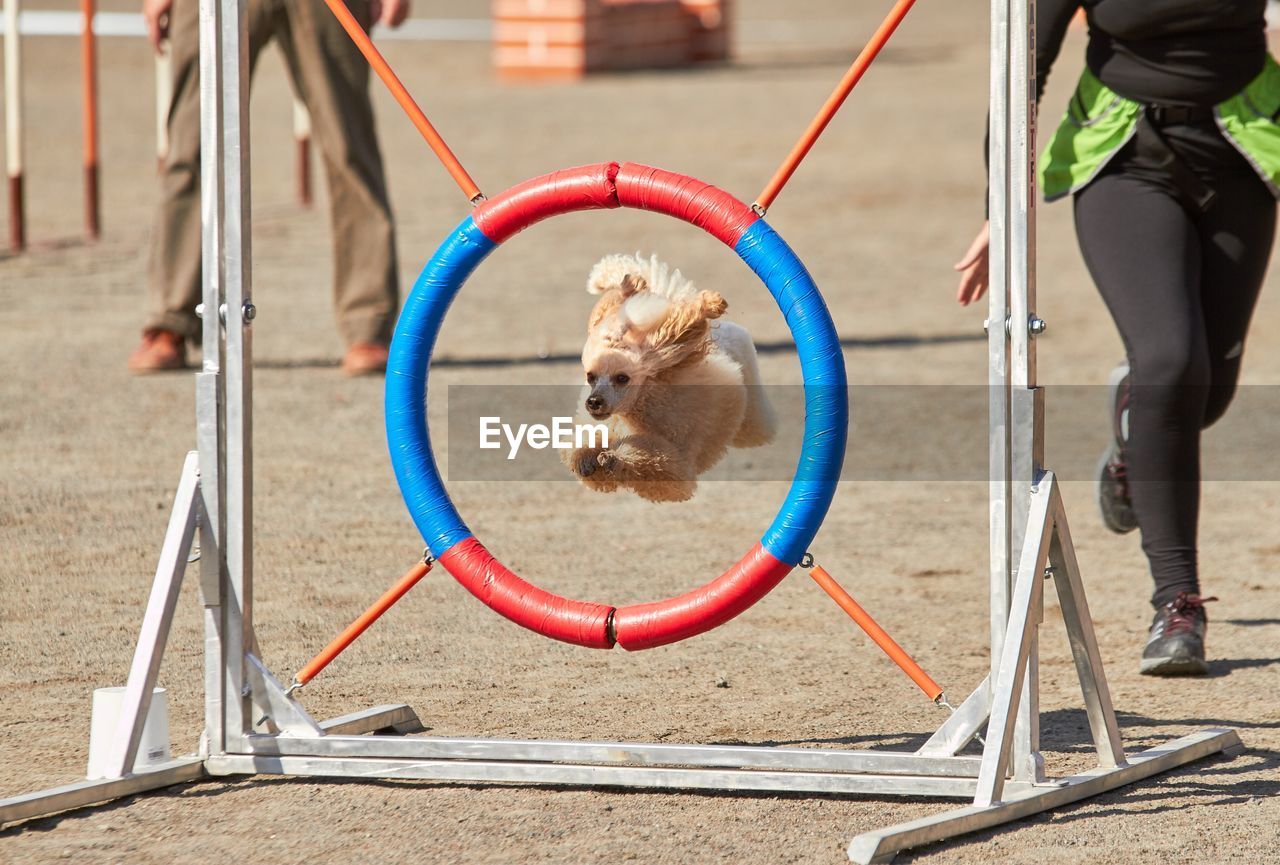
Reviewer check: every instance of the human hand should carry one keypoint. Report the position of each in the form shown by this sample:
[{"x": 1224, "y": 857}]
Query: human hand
[
  {"x": 156, "y": 15},
  {"x": 390, "y": 13},
  {"x": 974, "y": 268}
]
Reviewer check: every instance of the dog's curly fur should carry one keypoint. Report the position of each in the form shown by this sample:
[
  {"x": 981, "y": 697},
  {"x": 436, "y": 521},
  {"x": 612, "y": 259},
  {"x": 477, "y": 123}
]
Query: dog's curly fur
[{"x": 675, "y": 384}]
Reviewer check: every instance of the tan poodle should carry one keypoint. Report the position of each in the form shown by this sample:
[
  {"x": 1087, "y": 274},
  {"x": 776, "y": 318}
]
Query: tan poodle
[{"x": 674, "y": 383}]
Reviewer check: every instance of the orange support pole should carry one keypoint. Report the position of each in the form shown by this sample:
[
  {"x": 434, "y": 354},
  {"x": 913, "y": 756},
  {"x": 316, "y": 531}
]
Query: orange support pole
[
  {"x": 379, "y": 65},
  {"x": 89, "y": 84},
  {"x": 895, "y": 652},
  {"x": 360, "y": 625},
  {"x": 802, "y": 147}
]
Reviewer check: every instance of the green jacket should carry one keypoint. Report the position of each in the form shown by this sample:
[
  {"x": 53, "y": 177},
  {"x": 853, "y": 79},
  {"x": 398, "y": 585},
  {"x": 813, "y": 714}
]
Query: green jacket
[{"x": 1099, "y": 122}]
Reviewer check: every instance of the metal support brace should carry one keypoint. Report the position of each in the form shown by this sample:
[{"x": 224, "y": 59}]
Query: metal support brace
[
  {"x": 964, "y": 724},
  {"x": 1084, "y": 644},
  {"x": 1028, "y": 593},
  {"x": 394, "y": 718},
  {"x": 154, "y": 635},
  {"x": 271, "y": 703}
]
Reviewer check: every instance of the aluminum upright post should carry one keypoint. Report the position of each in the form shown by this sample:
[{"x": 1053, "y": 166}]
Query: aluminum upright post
[
  {"x": 224, "y": 386},
  {"x": 209, "y": 396},
  {"x": 998, "y": 333},
  {"x": 237, "y": 376},
  {"x": 1026, "y": 400}
]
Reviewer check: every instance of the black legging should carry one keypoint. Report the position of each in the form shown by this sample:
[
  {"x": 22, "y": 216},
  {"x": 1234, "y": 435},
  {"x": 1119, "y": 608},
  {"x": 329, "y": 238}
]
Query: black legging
[{"x": 1181, "y": 284}]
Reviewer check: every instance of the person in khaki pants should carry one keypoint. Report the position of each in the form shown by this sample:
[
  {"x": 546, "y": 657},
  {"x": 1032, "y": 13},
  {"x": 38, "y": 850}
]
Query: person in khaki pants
[{"x": 331, "y": 77}]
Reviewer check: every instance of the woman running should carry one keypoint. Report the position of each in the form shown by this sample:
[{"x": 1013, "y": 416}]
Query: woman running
[{"x": 1171, "y": 150}]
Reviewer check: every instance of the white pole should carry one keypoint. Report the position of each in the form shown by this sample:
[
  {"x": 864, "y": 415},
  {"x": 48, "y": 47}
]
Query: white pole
[
  {"x": 164, "y": 95},
  {"x": 302, "y": 135},
  {"x": 13, "y": 124}
]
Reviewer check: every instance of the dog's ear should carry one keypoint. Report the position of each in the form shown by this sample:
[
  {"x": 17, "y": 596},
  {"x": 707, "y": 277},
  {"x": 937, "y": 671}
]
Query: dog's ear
[
  {"x": 632, "y": 284},
  {"x": 606, "y": 305},
  {"x": 616, "y": 272},
  {"x": 685, "y": 332}
]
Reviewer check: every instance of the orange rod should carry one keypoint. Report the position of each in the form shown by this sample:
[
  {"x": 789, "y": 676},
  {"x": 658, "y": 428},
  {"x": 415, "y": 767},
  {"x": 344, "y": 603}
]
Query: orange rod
[
  {"x": 895, "y": 652},
  {"x": 819, "y": 123},
  {"x": 89, "y": 84},
  {"x": 379, "y": 64},
  {"x": 360, "y": 625}
]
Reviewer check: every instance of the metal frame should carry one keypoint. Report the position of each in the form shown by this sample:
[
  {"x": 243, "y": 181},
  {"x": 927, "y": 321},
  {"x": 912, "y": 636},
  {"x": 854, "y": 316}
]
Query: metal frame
[{"x": 253, "y": 725}]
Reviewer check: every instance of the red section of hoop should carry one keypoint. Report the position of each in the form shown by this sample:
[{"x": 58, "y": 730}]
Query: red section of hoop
[
  {"x": 713, "y": 210},
  {"x": 607, "y": 185},
  {"x": 587, "y": 187},
  {"x": 580, "y": 622},
  {"x": 643, "y": 626}
]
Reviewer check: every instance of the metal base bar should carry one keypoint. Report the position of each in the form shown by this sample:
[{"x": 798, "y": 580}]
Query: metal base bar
[
  {"x": 1023, "y": 800},
  {"x": 548, "y": 751},
  {"x": 577, "y": 775},
  {"x": 96, "y": 791},
  {"x": 42, "y": 803}
]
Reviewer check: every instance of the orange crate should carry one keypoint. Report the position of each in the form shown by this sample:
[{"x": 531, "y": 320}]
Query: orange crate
[
  {"x": 546, "y": 38},
  {"x": 568, "y": 38},
  {"x": 710, "y": 28}
]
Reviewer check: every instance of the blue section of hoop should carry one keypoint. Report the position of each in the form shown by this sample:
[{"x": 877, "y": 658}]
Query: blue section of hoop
[
  {"x": 406, "y": 390},
  {"x": 826, "y": 393}
]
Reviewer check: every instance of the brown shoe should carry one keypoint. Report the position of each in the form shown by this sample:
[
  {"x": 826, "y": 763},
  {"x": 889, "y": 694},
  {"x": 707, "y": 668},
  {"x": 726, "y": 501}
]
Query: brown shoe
[
  {"x": 365, "y": 358},
  {"x": 160, "y": 351}
]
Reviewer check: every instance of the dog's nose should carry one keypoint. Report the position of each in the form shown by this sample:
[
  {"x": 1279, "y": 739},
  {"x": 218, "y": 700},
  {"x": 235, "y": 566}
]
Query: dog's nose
[{"x": 595, "y": 403}]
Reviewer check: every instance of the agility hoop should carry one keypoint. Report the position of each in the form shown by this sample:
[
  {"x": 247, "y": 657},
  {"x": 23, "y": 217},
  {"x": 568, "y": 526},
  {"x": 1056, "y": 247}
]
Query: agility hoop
[{"x": 597, "y": 187}]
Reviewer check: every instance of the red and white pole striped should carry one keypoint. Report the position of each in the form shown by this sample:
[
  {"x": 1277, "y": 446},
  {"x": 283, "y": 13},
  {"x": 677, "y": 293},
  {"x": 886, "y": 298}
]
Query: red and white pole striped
[
  {"x": 13, "y": 124},
  {"x": 302, "y": 137},
  {"x": 89, "y": 86}
]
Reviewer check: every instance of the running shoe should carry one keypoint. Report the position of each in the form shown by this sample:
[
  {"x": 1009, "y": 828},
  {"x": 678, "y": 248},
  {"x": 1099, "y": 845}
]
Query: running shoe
[
  {"x": 1114, "y": 502},
  {"x": 1175, "y": 643}
]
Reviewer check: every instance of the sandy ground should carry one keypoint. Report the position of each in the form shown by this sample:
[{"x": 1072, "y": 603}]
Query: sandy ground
[{"x": 892, "y": 194}]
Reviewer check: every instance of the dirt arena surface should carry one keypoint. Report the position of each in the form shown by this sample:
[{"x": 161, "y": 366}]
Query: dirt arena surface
[{"x": 89, "y": 457}]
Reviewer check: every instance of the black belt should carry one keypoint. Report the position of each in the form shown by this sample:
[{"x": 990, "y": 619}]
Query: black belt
[
  {"x": 1172, "y": 115},
  {"x": 1153, "y": 147}
]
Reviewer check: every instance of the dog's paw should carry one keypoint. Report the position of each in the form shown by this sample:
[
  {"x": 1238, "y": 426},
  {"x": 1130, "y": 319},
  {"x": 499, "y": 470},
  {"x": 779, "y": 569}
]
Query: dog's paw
[
  {"x": 606, "y": 460},
  {"x": 585, "y": 466},
  {"x": 662, "y": 492}
]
